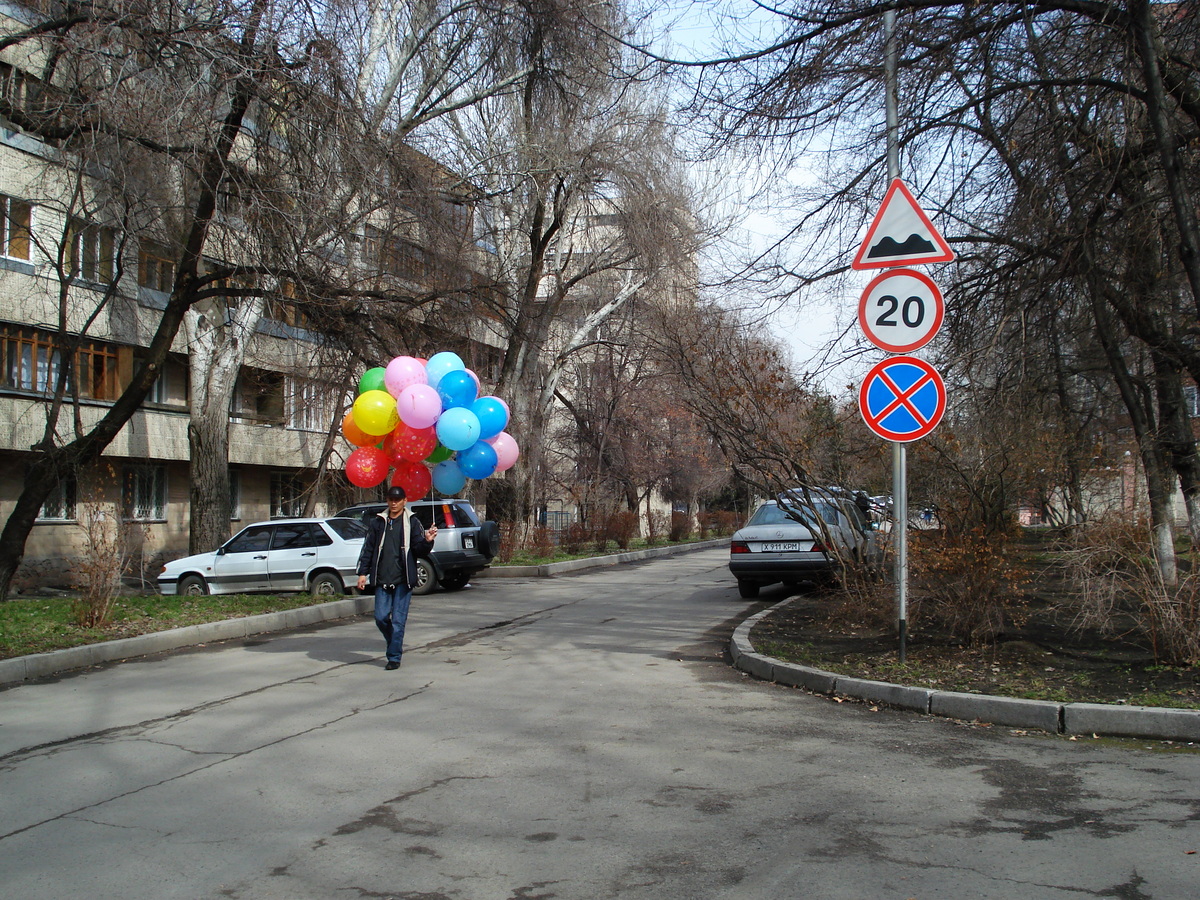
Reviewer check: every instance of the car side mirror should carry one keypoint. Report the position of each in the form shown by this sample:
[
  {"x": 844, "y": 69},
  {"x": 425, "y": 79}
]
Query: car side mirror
[{"x": 220, "y": 551}]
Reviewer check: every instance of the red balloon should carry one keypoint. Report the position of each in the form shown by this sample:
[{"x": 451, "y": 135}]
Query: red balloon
[
  {"x": 408, "y": 444},
  {"x": 367, "y": 467},
  {"x": 356, "y": 435},
  {"x": 415, "y": 478}
]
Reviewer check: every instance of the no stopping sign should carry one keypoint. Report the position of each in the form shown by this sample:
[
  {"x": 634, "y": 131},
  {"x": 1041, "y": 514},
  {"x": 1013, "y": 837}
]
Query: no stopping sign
[{"x": 901, "y": 310}]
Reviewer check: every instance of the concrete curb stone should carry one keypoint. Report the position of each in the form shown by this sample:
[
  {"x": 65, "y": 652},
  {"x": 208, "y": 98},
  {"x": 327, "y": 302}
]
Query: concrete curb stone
[
  {"x": 39, "y": 665},
  {"x": 1056, "y": 718}
]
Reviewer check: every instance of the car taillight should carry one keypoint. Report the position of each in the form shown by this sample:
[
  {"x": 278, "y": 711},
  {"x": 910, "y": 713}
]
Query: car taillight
[
  {"x": 739, "y": 547},
  {"x": 818, "y": 547}
]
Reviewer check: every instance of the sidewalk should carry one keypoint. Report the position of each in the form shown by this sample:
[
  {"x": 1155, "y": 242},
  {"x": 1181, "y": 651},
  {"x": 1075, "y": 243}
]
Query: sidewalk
[{"x": 40, "y": 665}]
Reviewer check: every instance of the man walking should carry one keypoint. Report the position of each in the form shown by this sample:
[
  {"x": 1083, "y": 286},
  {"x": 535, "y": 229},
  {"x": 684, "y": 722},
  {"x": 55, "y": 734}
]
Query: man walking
[{"x": 389, "y": 562}]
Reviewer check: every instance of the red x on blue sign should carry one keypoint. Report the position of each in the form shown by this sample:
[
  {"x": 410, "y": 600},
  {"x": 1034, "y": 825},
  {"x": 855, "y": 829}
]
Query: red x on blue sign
[{"x": 902, "y": 399}]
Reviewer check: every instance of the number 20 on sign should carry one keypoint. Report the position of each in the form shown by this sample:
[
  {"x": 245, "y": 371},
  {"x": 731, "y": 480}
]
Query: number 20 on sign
[{"x": 901, "y": 310}]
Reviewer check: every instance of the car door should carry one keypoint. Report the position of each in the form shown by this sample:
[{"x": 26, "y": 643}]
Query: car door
[
  {"x": 293, "y": 554},
  {"x": 241, "y": 565}
]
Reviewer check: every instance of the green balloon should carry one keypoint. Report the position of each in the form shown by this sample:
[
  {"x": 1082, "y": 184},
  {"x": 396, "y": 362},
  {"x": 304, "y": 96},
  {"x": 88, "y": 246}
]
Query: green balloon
[
  {"x": 440, "y": 454},
  {"x": 372, "y": 380}
]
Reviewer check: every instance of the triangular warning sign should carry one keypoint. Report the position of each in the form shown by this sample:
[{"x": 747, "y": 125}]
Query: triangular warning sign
[{"x": 901, "y": 234}]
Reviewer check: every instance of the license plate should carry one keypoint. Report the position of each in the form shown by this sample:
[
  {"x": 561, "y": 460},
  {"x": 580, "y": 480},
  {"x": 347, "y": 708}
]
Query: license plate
[
  {"x": 780, "y": 546},
  {"x": 469, "y": 541}
]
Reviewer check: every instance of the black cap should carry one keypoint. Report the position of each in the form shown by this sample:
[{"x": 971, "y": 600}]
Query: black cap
[{"x": 395, "y": 492}]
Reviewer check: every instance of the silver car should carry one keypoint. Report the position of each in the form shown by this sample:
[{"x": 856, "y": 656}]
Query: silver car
[
  {"x": 284, "y": 555},
  {"x": 786, "y": 541}
]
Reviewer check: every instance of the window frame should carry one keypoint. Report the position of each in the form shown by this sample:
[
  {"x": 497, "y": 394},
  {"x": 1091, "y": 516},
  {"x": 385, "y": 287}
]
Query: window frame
[{"x": 140, "y": 480}]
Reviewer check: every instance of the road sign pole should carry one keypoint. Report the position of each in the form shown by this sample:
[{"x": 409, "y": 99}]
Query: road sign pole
[{"x": 899, "y": 458}]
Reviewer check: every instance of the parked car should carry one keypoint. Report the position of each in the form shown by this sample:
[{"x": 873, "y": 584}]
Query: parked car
[
  {"x": 783, "y": 541},
  {"x": 314, "y": 555},
  {"x": 464, "y": 545}
]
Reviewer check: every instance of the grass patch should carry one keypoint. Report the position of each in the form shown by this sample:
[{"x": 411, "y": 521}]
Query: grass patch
[{"x": 40, "y": 624}]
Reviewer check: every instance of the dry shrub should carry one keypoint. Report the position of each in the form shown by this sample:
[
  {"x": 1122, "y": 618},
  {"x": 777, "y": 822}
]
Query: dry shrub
[
  {"x": 575, "y": 537},
  {"x": 1120, "y": 589},
  {"x": 968, "y": 585},
  {"x": 681, "y": 526},
  {"x": 657, "y": 526},
  {"x": 511, "y": 536},
  {"x": 105, "y": 558},
  {"x": 621, "y": 527},
  {"x": 541, "y": 541}
]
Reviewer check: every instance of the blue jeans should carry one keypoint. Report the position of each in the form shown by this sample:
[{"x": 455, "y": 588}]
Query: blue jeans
[{"x": 391, "y": 614}]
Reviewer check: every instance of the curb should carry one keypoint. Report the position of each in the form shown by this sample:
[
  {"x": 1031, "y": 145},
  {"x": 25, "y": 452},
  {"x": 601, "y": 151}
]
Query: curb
[
  {"x": 1043, "y": 715},
  {"x": 39, "y": 665},
  {"x": 595, "y": 562}
]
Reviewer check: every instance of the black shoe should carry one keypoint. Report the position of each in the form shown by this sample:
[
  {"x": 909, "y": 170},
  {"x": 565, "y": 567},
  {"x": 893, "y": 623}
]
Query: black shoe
[{"x": 392, "y": 665}]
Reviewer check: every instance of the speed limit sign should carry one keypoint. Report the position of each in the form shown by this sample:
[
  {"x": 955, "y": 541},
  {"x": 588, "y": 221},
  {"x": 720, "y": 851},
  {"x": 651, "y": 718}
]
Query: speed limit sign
[{"x": 901, "y": 310}]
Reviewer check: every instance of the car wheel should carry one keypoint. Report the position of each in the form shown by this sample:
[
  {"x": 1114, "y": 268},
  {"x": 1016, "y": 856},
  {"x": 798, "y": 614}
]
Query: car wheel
[
  {"x": 426, "y": 577},
  {"x": 748, "y": 589},
  {"x": 489, "y": 539},
  {"x": 191, "y": 586},
  {"x": 326, "y": 585},
  {"x": 455, "y": 581}
]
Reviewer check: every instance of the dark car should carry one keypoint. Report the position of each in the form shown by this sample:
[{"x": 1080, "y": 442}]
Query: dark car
[{"x": 465, "y": 545}]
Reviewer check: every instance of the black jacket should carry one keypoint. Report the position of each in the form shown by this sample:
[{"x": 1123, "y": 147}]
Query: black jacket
[{"x": 368, "y": 560}]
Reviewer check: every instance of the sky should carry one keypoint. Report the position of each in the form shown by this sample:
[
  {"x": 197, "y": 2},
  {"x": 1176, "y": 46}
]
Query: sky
[{"x": 692, "y": 30}]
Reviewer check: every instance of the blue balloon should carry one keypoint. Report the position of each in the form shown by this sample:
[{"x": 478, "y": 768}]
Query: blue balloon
[
  {"x": 441, "y": 363},
  {"x": 457, "y": 388},
  {"x": 458, "y": 428},
  {"x": 492, "y": 415},
  {"x": 478, "y": 461},
  {"x": 448, "y": 478}
]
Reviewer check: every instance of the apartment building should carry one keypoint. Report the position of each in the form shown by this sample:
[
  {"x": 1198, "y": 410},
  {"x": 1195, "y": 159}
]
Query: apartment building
[{"x": 85, "y": 274}]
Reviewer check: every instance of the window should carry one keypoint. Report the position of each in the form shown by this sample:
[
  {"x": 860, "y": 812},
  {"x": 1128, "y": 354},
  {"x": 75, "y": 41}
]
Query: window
[
  {"x": 92, "y": 251},
  {"x": 308, "y": 405},
  {"x": 287, "y": 496},
  {"x": 146, "y": 493},
  {"x": 18, "y": 87},
  {"x": 30, "y": 360},
  {"x": 15, "y": 219},
  {"x": 393, "y": 255},
  {"x": 348, "y": 529},
  {"x": 235, "y": 494},
  {"x": 295, "y": 536},
  {"x": 59, "y": 505},
  {"x": 255, "y": 539},
  {"x": 259, "y": 397},
  {"x": 97, "y": 371},
  {"x": 156, "y": 268},
  {"x": 1191, "y": 400}
]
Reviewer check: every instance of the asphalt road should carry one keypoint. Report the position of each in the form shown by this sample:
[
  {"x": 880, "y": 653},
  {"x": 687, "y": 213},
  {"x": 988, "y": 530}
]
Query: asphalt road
[{"x": 575, "y": 737}]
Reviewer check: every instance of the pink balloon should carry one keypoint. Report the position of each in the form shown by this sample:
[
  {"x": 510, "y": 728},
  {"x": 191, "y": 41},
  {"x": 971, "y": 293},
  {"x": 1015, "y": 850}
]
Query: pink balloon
[
  {"x": 402, "y": 372},
  {"x": 419, "y": 406},
  {"x": 506, "y": 449}
]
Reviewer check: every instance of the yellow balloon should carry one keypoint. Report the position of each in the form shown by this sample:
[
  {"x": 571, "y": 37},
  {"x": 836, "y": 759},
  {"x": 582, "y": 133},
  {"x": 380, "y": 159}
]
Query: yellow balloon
[{"x": 375, "y": 412}]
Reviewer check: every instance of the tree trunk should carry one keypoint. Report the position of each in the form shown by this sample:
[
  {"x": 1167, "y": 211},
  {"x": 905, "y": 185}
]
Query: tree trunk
[{"x": 218, "y": 350}]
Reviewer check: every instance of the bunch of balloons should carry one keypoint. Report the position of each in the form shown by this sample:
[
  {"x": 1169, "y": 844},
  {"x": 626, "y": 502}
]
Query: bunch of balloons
[{"x": 414, "y": 414}]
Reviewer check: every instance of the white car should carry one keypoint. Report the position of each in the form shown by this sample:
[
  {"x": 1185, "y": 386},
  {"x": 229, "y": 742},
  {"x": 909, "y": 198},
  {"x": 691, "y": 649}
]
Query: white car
[{"x": 285, "y": 555}]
